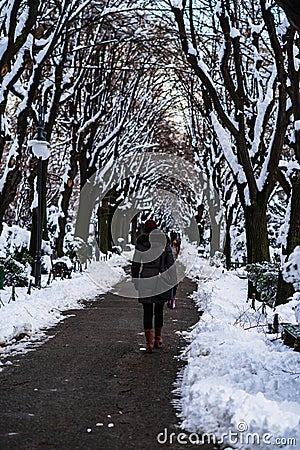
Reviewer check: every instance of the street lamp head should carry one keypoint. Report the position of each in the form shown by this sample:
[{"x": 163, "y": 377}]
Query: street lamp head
[{"x": 40, "y": 148}]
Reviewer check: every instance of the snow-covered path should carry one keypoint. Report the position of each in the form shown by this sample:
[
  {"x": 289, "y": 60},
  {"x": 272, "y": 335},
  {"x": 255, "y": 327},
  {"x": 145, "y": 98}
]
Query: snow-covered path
[
  {"x": 92, "y": 386},
  {"x": 240, "y": 384},
  {"x": 31, "y": 315}
]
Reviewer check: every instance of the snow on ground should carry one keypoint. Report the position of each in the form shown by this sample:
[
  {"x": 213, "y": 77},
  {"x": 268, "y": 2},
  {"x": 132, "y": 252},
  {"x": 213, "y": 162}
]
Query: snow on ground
[
  {"x": 240, "y": 384},
  {"x": 31, "y": 315}
]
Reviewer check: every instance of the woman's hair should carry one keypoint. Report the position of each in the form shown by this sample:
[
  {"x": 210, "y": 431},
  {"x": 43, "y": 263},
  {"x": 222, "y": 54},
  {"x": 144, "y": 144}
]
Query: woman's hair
[{"x": 150, "y": 225}]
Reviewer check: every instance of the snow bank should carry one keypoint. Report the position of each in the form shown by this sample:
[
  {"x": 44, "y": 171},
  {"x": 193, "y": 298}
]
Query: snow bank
[
  {"x": 239, "y": 381},
  {"x": 176, "y": 4},
  {"x": 291, "y": 271},
  {"x": 26, "y": 319}
]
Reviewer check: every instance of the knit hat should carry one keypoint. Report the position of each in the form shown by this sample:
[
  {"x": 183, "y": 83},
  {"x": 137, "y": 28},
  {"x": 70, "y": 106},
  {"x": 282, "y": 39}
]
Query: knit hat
[{"x": 150, "y": 225}]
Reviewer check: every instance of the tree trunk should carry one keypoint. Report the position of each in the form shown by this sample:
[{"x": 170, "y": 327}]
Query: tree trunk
[
  {"x": 256, "y": 232},
  {"x": 293, "y": 238},
  {"x": 84, "y": 213},
  {"x": 62, "y": 220},
  {"x": 104, "y": 226},
  {"x": 291, "y": 8},
  {"x": 33, "y": 235},
  {"x": 227, "y": 244},
  {"x": 65, "y": 202},
  {"x": 215, "y": 221},
  {"x": 286, "y": 290},
  {"x": 134, "y": 226},
  {"x": 9, "y": 191},
  {"x": 256, "y": 237},
  {"x": 199, "y": 218}
]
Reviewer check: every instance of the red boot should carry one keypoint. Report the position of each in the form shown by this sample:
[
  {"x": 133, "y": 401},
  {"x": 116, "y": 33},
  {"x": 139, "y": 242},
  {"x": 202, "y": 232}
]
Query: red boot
[
  {"x": 158, "y": 339},
  {"x": 149, "y": 341}
]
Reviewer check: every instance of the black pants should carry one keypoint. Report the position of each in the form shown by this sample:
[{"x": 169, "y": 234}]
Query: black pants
[{"x": 158, "y": 315}]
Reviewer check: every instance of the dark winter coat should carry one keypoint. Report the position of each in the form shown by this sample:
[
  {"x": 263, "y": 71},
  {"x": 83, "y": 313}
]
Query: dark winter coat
[{"x": 153, "y": 256}]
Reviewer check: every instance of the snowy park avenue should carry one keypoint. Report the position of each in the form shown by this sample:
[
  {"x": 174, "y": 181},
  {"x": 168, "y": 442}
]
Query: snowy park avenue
[{"x": 149, "y": 224}]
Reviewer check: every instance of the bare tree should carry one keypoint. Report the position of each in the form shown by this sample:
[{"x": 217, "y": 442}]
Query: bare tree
[
  {"x": 291, "y": 8},
  {"x": 237, "y": 52}
]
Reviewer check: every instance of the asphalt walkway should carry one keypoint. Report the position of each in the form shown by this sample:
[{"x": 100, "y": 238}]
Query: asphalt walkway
[{"x": 92, "y": 387}]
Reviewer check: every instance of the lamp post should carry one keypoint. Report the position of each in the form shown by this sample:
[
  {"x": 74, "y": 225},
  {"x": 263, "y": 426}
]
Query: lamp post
[{"x": 41, "y": 149}]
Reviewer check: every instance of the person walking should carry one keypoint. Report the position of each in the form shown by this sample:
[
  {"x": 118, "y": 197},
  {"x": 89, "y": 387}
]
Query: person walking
[
  {"x": 152, "y": 257},
  {"x": 177, "y": 243}
]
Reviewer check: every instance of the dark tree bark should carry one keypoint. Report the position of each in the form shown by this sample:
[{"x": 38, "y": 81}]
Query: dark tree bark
[
  {"x": 199, "y": 218},
  {"x": 286, "y": 290},
  {"x": 227, "y": 244},
  {"x": 105, "y": 220},
  {"x": 134, "y": 227},
  {"x": 255, "y": 205},
  {"x": 34, "y": 226},
  {"x": 14, "y": 175},
  {"x": 292, "y": 10},
  {"x": 293, "y": 239},
  {"x": 64, "y": 206},
  {"x": 256, "y": 231},
  {"x": 14, "y": 44}
]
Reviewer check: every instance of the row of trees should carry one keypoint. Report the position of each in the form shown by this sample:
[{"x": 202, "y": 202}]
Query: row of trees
[
  {"x": 215, "y": 82},
  {"x": 245, "y": 108},
  {"x": 97, "y": 69}
]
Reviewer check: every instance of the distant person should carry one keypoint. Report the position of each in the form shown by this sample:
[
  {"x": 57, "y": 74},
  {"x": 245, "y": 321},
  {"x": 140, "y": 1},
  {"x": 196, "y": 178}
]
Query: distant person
[
  {"x": 172, "y": 236},
  {"x": 177, "y": 243},
  {"x": 153, "y": 256}
]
